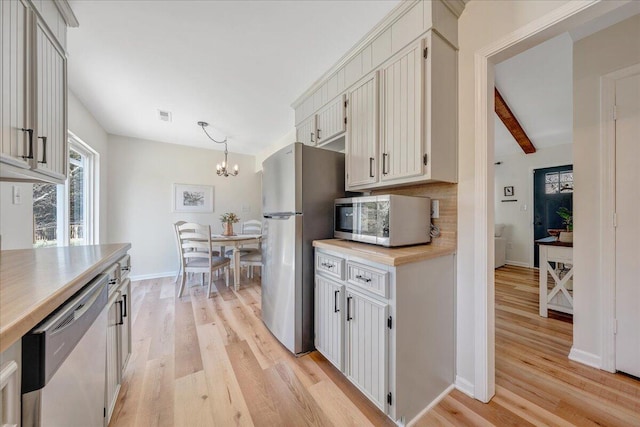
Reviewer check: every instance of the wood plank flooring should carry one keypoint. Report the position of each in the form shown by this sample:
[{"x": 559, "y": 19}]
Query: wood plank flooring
[
  {"x": 211, "y": 362},
  {"x": 536, "y": 383}
]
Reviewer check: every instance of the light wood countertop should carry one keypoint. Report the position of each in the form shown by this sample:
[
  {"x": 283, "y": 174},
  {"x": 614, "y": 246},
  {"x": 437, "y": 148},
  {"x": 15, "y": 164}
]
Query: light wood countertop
[
  {"x": 34, "y": 282},
  {"x": 387, "y": 256}
]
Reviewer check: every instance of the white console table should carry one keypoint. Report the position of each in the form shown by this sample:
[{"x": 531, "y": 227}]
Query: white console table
[{"x": 559, "y": 298}]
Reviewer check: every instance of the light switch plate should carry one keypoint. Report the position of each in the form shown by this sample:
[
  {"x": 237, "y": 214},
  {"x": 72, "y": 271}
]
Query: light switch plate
[
  {"x": 435, "y": 209},
  {"x": 17, "y": 195}
]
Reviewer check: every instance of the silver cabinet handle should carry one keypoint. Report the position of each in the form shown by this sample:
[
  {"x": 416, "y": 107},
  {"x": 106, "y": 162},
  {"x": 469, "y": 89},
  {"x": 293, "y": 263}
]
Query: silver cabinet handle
[
  {"x": 318, "y": 133},
  {"x": 312, "y": 137},
  {"x": 363, "y": 279},
  {"x": 349, "y": 309},
  {"x": 335, "y": 301},
  {"x": 327, "y": 265},
  {"x": 371, "y": 159},
  {"x": 384, "y": 164}
]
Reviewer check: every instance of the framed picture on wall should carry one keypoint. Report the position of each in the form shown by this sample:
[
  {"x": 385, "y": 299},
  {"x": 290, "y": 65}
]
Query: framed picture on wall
[
  {"x": 192, "y": 198},
  {"x": 508, "y": 191}
]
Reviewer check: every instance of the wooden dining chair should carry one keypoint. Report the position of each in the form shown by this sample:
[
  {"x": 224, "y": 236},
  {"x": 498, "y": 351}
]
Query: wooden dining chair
[
  {"x": 197, "y": 255},
  {"x": 177, "y": 235}
]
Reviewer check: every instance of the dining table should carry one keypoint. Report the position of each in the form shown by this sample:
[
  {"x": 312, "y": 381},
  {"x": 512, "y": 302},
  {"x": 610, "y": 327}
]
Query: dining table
[{"x": 236, "y": 241}]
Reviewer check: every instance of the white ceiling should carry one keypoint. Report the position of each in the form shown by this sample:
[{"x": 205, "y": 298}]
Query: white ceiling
[
  {"x": 538, "y": 87},
  {"x": 235, "y": 64}
]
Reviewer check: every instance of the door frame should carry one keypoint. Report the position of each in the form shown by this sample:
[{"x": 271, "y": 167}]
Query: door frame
[
  {"x": 607, "y": 211},
  {"x": 564, "y": 18}
]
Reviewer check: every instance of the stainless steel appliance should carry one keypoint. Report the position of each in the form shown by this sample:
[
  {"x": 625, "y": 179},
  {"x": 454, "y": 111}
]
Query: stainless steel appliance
[
  {"x": 299, "y": 184},
  {"x": 386, "y": 220},
  {"x": 64, "y": 363}
]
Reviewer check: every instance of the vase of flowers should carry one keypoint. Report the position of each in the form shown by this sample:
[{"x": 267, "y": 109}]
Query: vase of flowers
[{"x": 228, "y": 219}]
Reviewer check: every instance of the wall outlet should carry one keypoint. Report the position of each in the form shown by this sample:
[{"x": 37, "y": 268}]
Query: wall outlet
[{"x": 435, "y": 209}]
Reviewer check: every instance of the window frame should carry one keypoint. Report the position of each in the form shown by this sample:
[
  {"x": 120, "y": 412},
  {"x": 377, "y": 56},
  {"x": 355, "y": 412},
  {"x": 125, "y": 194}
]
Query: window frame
[{"x": 91, "y": 190}]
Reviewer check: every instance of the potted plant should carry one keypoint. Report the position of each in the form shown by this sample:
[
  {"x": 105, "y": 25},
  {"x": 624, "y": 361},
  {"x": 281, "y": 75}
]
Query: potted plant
[
  {"x": 567, "y": 220},
  {"x": 228, "y": 219}
]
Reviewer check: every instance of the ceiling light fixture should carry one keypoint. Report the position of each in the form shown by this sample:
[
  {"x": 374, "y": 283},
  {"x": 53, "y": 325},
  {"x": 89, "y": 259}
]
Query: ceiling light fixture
[{"x": 221, "y": 170}]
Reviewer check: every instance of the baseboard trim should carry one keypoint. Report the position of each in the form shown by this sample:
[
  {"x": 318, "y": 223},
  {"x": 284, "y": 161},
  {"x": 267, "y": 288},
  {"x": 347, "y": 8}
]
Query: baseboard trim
[
  {"x": 465, "y": 386},
  {"x": 517, "y": 263},
  {"x": 585, "y": 358},
  {"x": 433, "y": 403},
  {"x": 153, "y": 275}
]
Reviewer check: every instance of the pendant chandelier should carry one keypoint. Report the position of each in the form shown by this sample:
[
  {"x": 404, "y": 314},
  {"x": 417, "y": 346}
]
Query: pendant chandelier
[{"x": 221, "y": 169}]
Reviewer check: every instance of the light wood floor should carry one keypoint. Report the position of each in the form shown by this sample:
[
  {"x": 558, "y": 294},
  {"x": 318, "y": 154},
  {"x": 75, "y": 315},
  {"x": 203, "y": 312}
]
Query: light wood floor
[{"x": 206, "y": 362}]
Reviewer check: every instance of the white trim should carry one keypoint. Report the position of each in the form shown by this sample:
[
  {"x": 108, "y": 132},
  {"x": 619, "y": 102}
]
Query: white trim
[
  {"x": 433, "y": 403},
  {"x": 91, "y": 188},
  {"x": 607, "y": 209},
  {"x": 518, "y": 263},
  {"x": 464, "y": 386},
  {"x": 563, "y": 18},
  {"x": 153, "y": 275},
  {"x": 585, "y": 358}
]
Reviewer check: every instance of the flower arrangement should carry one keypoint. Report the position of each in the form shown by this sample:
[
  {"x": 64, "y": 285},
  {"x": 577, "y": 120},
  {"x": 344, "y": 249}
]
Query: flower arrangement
[
  {"x": 567, "y": 217},
  {"x": 229, "y": 218}
]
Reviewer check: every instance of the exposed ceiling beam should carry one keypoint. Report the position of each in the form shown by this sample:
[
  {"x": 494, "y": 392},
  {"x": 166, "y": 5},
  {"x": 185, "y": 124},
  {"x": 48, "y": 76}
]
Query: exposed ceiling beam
[{"x": 504, "y": 112}]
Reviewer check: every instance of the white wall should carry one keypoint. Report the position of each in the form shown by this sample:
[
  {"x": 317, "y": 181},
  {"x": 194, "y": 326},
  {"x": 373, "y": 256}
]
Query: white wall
[
  {"x": 287, "y": 139},
  {"x": 141, "y": 178},
  {"x": 601, "y": 53},
  {"x": 481, "y": 23},
  {"x": 16, "y": 221},
  {"x": 517, "y": 170}
]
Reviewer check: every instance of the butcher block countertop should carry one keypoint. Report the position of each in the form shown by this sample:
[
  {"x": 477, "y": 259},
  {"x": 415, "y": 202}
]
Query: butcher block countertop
[
  {"x": 387, "y": 256},
  {"x": 34, "y": 282}
]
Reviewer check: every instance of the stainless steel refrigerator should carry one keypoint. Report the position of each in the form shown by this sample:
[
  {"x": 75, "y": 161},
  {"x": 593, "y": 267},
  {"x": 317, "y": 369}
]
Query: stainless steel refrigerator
[{"x": 299, "y": 185}]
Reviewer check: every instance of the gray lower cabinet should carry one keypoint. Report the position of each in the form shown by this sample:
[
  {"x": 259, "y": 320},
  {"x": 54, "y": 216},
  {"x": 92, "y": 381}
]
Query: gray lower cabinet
[
  {"x": 389, "y": 329},
  {"x": 118, "y": 330},
  {"x": 113, "y": 353},
  {"x": 329, "y": 314}
]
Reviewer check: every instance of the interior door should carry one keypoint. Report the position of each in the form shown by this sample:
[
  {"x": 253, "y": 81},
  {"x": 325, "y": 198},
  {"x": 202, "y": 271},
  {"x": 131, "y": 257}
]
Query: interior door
[
  {"x": 552, "y": 189},
  {"x": 627, "y": 268}
]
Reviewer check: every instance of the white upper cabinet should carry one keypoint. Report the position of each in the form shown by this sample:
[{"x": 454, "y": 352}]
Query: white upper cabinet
[
  {"x": 401, "y": 113},
  {"x": 416, "y": 118},
  {"x": 50, "y": 139},
  {"x": 306, "y": 131},
  {"x": 331, "y": 120},
  {"x": 362, "y": 132},
  {"x": 34, "y": 90},
  {"x": 14, "y": 142}
]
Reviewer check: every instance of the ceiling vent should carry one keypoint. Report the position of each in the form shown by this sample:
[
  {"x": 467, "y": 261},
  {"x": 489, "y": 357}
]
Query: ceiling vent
[{"x": 165, "y": 116}]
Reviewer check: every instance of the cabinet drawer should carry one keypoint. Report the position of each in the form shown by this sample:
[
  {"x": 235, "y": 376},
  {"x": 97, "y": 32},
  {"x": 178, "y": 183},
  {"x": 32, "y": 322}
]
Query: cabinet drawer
[
  {"x": 369, "y": 278},
  {"x": 330, "y": 266},
  {"x": 124, "y": 266}
]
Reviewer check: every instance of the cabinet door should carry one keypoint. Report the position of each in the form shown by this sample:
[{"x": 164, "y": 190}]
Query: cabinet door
[
  {"x": 125, "y": 328},
  {"x": 113, "y": 352},
  {"x": 362, "y": 132},
  {"x": 367, "y": 349},
  {"x": 14, "y": 142},
  {"x": 51, "y": 129},
  {"x": 306, "y": 131},
  {"x": 402, "y": 107},
  {"x": 329, "y": 324},
  {"x": 331, "y": 120}
]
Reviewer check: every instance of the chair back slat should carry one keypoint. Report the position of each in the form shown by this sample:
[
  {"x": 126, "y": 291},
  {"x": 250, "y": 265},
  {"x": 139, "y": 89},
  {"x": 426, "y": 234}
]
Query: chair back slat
[
  {"x": 195, "y": 242},
  {"x": 252, "y": 227}
]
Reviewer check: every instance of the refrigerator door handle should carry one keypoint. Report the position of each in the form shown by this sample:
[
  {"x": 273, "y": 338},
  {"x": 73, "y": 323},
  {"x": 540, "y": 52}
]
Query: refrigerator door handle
[{"x": 281, "y": 215}]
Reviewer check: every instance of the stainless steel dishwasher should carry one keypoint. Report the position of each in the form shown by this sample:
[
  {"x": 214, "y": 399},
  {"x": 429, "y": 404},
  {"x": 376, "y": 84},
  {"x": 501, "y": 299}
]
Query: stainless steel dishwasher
[{"x": 64, "y": 363}]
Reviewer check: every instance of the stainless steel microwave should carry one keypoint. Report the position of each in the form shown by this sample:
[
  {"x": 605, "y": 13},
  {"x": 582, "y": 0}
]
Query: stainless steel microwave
[{"x": 386, "y": 220}]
